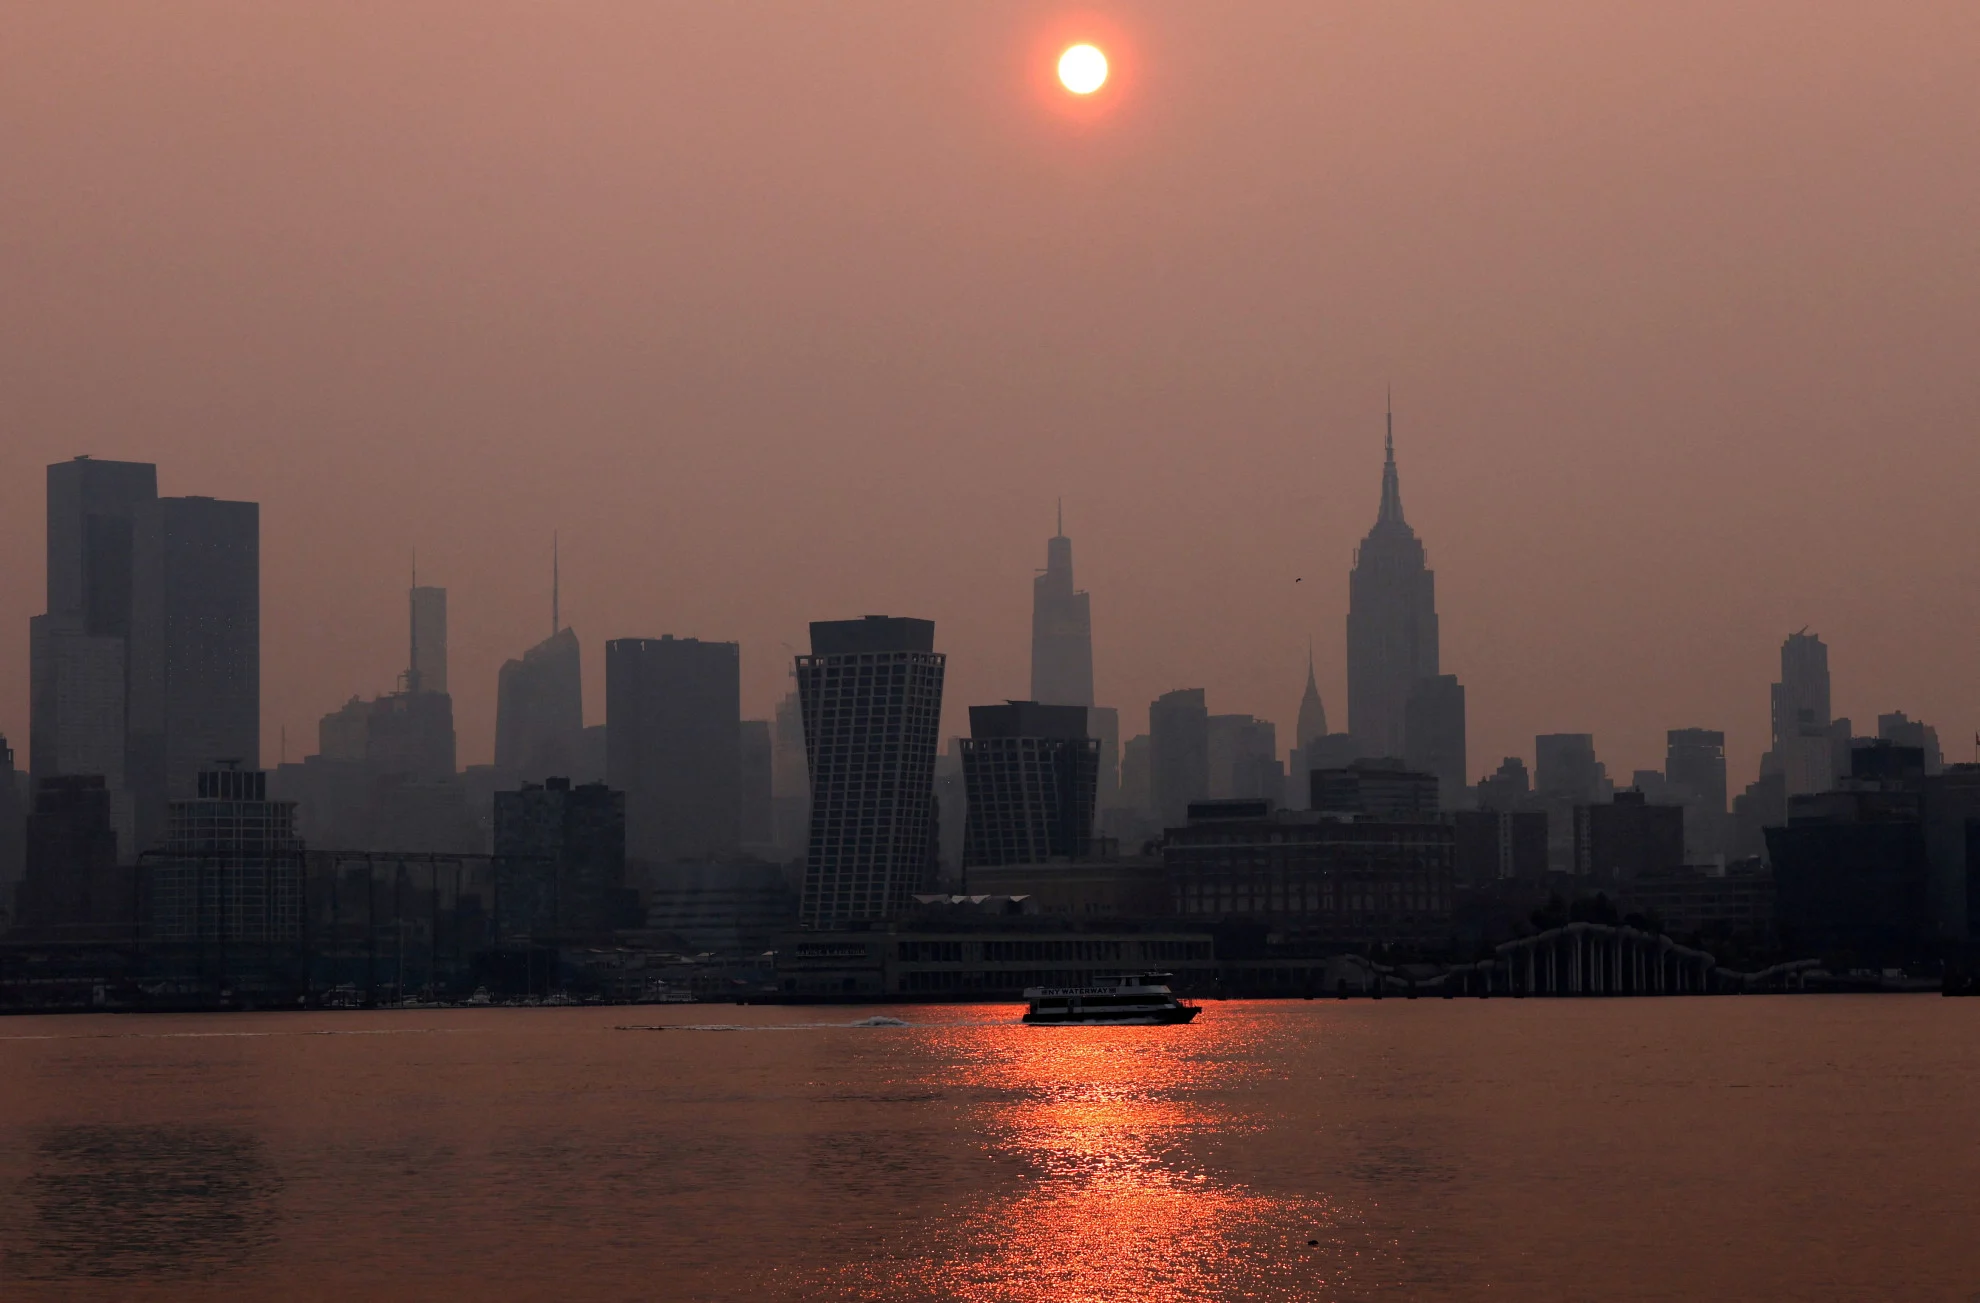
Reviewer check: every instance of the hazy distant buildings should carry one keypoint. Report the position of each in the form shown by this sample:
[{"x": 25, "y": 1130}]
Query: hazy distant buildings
[
  {"x": 871, "y": 691},
  {"x": 1031, "y": 776},
  {"x": 1391, "y": 623},
  {"x": 1103, "y": 725},
  {"x": 1806, "y": 750},
  {"x": 230, "y": 877},
  {"x": 1433, "y": 734},
  {"x": 1244, "y": 758},
  {"x": 1376, "y": 789},
  {"x": 1178, "y": 754},
  {"x": 428, "y": 669},
  {"x": 1507, "y": 788},
  {"x": 560, "y": 861},
  {"x": 755, "y": 754},
  {"x": 1899, "y": 729},
  {"x": 790, "y": 780},
  {"x": 13, "y": 831},
  {"x": 195, "y": 650},
  {"x": 1061, "y": 631},
  {"x": 72, "y": 886},
  {"x": 539, "y": 711},
  {"x": 1566, "y": 775},
  {"x": 1311, "y": 877},
  {"x": 673, "y": 717},
  {"x": 79, "y": 650},
  {"x": 1628, "y": 837},
  {"x": 1695, "y": 773}
]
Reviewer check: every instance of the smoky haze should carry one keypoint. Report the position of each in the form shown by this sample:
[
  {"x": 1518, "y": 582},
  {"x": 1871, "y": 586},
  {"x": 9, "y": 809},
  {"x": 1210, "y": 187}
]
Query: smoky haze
[{"x": 790, "y": 312}]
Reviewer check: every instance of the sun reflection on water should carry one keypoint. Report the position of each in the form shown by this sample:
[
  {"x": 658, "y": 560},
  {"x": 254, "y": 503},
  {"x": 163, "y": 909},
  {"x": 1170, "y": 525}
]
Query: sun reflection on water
[{"x": 1117, "y": 1201}]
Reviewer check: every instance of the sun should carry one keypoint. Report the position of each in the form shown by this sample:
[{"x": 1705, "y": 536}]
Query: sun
[{"x": 1083, "y": 69}]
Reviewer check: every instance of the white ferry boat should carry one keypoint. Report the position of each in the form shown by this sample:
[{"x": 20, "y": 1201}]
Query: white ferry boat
[{"x": 1132, "y": 999}]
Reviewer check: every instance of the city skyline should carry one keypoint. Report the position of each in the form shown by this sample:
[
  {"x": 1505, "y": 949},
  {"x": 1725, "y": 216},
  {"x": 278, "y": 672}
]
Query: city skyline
[{"x": 1632, "y": 496}]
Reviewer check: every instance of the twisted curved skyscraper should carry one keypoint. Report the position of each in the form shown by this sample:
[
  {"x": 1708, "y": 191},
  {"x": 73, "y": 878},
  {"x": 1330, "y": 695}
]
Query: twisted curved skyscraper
[{"x": 1391, "y": 623}]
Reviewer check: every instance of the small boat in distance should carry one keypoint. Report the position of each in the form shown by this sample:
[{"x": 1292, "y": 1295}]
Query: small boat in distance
[{"x": 1130, "y": 1000}]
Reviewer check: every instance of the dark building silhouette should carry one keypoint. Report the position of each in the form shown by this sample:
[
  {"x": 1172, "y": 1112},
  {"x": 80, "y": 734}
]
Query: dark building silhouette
[
  {"x": 1809, "y": 751},
  {"x": 1433, "y": 734},
  {"x": 1312, "y": 877},
  {"x": 1244, "y": 758},
  {"x": 1178, "y": 754},
  {"x": 1628, "y": 837},
  {"x": 427, "y": 669},
  {"x": 1061, "y": 631},
  {"x": 195, "y": 650},
  {"x": 755, "y": 753},
  {"x": 871, "y": 692},
  {"x": 1031, "y": 775},
  {"x": 1763, "y": 805},
  {"x": 539, "y": 711},
  {"x": 1508, "y": 787},
  {"x": 1378, "y": 789},
  {"x": 1493, "y": 845},
  {"x": 72, "y": 886},
  {"x": 1695, "y": 773},
  {"x": 673, "y": 713},
  {"x": 229, "y": 875},
  {"x": 1391, "y": 623},
  {"x": 1566, "y": 775},
  {"x": 13, "y": 832},
  {"x": 1899, "y": 728},
  {"x": 1103, "y": 725},
  {"x": 560, "y": 861},
  {"x": 79, "y": 650},
  {"x": 790, "y": 780}
]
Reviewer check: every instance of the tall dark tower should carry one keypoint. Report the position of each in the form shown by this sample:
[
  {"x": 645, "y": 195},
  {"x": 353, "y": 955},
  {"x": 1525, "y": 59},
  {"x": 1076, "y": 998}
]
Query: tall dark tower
[
  {"x": 1391, "y": 624},
  {"x": 1061, "y": 631}
]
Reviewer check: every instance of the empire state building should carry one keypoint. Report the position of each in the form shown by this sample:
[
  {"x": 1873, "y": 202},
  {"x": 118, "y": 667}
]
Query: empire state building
[{"x": 1391, "y": 623}]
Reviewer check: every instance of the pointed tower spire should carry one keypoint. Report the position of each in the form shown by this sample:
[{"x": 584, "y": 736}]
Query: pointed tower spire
[
  {"x": 1062, "y": 519},
  {"x": 556, "y": 620},
  {"x": 1312, "y": 722},
  {"x": 1391, "y": 486}
]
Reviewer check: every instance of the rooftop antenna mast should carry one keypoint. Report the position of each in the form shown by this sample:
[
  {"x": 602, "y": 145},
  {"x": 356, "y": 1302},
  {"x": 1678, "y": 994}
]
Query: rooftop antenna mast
[{"x": 556, "y": 621}]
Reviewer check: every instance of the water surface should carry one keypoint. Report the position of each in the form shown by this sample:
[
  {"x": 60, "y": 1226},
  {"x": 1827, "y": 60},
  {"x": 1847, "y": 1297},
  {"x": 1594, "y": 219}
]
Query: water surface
[{"x": 1754, "y": 1148}]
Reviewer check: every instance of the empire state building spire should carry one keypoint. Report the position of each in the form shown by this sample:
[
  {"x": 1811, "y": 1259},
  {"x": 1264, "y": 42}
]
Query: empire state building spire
[
  {"x": 1392, "y": 620},
  {"x": 1391, "y": 512}
]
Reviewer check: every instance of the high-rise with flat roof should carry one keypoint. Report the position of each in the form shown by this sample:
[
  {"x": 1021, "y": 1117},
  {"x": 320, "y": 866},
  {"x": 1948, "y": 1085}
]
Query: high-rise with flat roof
[
  {"x": 1695, "y": 772},
  {"x": 1061, "y": 631},
  {"x": 1433, "y": 735},
  {"x": 1391, "y": 623},
  {"x": 1030, "y": 772},
  {"x": 871, "y": 692},
  {"x": 673, "y": 738},
  {"x": 1178, "y": 754},
  {"x": 79, "y": 649},
  {"x": 195, "y": 650},
  {"x": 427, "y": 666}
]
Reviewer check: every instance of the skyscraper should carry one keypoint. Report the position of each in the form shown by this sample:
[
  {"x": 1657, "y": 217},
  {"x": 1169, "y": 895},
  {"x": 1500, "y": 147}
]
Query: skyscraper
[
  {"x": 1030, "y": 773},
  {"x": 673, "y": 737},
  {"x": 195, "y": 650},
  {"x": 231, "y": 877},
  {"x": 1695, "y": 771},
  {"x": 1433, "y": 735},
  {"x": 427, "y": 666},
  {"x": 539, "y": 711},
  {"x": 1391, "y": 623},
  {"x": 1178, "y": 754},
  {"x": 1061, "y": 631},
  {"x": 756, "y": 785},
  {"x": 1804, "y": 749},
  {"x": 871, "y": 691},
  {"x": 79, "y": 650}
]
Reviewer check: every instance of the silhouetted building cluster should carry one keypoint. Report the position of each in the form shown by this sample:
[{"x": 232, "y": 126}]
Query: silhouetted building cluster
[{"x": 145, "y": 828}]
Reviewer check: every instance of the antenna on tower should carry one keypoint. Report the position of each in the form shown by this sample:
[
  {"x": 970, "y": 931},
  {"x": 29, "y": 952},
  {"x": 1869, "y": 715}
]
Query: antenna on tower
[
  {"x": 556, "y": 620},
  {"x": 1062, "y": 517}
]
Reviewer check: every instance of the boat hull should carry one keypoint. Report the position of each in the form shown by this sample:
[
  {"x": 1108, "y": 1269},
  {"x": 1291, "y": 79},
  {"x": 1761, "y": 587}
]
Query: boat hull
[{"x": 1101, "y": 1018}]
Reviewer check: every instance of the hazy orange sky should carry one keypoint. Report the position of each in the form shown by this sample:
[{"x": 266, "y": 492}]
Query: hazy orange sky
[{"x": 792, "y": 311}]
